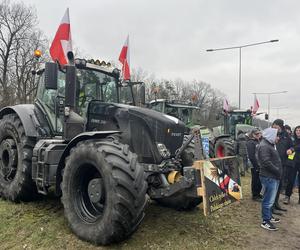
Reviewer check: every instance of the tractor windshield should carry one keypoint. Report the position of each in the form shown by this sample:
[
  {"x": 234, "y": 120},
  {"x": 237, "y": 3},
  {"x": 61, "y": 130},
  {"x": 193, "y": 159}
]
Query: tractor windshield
[
  {"x": 91, "y": 85},
  {"x": 182, "y": 113},
  {"x": 235, "y": 118}
]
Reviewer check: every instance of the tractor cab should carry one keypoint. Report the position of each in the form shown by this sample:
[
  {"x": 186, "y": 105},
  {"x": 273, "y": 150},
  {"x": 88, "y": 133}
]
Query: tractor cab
[
  {"x": 93, "y": 82},
  {"x": 237, "y": 120},
  {"x": 187, "y": 113}
]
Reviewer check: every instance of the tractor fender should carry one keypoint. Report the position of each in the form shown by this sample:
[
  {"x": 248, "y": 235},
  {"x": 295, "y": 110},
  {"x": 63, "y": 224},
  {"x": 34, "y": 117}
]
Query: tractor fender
[
  {"x": 214, "y": 139},
  {"x": 81, "y": 137},
  {"x": 27, "y": 116}
]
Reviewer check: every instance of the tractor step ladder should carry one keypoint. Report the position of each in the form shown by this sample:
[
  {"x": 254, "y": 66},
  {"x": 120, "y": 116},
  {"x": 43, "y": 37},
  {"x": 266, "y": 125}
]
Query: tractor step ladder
[{"x": 46, "y": 156}]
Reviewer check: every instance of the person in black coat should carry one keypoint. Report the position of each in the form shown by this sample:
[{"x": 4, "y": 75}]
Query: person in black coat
[
  {"x": 254, "y": 139},
  {"x": 284, "y": 143},
  {"x": 294, "y": 157}
]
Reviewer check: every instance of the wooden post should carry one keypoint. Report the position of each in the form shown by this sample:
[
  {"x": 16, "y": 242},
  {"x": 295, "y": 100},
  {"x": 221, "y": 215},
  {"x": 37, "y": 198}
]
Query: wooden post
[{"x": 201, "y": 191}]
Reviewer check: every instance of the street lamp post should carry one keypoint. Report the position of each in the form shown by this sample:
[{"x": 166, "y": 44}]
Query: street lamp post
[
  {"x": 278, "y": 108},
  {"x": 269, "y": 98},
  {"x": 240, "y": 60}
]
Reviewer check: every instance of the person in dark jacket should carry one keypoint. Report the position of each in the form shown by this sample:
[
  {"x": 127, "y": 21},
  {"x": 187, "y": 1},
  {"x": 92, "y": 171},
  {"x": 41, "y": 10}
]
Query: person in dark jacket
[
  {"x": 294, "y": 156},
  {"x": 269, "y": 173},
  {"x": 241, "y": 151},
  {"x": 254, "y": 139},
  {"x": 284, "y": 143},
  {"x": 288, "y": 129}
]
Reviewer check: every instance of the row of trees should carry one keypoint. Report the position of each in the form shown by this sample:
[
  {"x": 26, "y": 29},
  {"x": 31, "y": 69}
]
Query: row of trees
[
  {"x": 197, "y": 93},
  {"x": 20, "y": 36}
]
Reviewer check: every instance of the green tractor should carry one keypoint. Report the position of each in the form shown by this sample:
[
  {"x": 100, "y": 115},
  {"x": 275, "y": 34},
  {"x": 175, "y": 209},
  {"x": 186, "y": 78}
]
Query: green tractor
[
  {"x": 101, "y": 156},
  {"x": 187, "y": 113},
  {"x": 223, "y": 137}
]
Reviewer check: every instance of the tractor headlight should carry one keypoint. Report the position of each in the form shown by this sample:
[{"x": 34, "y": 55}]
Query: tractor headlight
[
  {"x": 80, "y": 63},
  {"x": 162, "y": 149}
]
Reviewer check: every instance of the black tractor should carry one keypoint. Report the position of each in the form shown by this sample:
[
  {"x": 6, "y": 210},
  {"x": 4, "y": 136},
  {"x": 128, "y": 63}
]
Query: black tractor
[{"x": 100, "y": 155}]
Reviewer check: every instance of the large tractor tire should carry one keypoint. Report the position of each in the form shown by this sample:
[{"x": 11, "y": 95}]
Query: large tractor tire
[
  {"x": 103, "y": 191},
  {"x": 188, "y": 155},
  {"x": 224, "y": 147},
  {"x": 182, "y": 201},
  {"x": 15, "y": 160}
]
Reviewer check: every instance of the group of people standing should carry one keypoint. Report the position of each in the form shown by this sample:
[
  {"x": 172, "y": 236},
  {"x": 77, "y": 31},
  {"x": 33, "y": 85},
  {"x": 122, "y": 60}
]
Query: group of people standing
[{"x": 275, "y": 158}]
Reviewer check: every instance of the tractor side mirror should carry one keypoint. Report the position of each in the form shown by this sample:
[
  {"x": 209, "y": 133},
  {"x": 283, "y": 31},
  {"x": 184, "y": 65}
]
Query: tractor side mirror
[
  {"x": 70, "y": 88},
  {"x": 142, "y": 95},
  {"x": 51, "y": 70},
  {"x": 266, "y": 116}
]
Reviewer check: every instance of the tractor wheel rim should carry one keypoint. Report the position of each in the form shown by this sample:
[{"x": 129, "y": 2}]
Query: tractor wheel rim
[
  {"x": 220, "y": 151},
  {"x": 90, "y": 195},
  {"x": 9, "y": 159}
]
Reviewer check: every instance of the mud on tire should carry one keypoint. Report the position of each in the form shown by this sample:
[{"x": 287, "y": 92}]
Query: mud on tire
[
  {"x": 103, "y": 191},
  {"x": 15, "y": 160}
]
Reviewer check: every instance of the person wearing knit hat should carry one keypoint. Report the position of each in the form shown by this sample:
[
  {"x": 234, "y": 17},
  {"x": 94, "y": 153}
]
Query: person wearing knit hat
[{"x": 284, "y": 143}]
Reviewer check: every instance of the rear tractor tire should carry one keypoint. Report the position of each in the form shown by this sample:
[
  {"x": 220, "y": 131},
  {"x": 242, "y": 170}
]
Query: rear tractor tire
[
  {"x": 224, "y": 147},
  {"x": 15, "y": 160},
  {"x": 103, "y": 191}
]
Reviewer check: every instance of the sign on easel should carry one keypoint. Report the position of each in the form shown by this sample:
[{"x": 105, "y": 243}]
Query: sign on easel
[{"x": 220, "y": 182}]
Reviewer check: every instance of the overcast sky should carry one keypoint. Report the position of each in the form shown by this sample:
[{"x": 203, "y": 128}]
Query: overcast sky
[{"x": 169, "y": 38}]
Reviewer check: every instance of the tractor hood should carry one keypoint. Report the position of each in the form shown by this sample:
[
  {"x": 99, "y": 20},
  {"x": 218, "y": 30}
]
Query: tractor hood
[{"x": 144, "y": 130}]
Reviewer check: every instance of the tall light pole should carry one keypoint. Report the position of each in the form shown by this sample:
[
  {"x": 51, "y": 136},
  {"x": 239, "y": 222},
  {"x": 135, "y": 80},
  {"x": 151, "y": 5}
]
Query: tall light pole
[
  {"x": 269, "y": 98},
  {"x": 240, "y": 60}
]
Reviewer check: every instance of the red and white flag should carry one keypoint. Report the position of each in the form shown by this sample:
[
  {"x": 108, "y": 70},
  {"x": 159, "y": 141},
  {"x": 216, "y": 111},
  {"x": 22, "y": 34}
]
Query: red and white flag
[
  {"x": 225, "y": 105},
  {"x": 255, "y": 105},
  {"x": 62, "y": 43},
  {"x": 125, "y": 60}
]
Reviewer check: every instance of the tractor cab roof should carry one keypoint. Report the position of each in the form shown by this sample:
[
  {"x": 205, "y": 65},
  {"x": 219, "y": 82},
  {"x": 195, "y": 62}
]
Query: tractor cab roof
[
  {"x": 103, "y": 67},
  {"x": 240, "y": 111},
  {"x": 175, "y": 104}
]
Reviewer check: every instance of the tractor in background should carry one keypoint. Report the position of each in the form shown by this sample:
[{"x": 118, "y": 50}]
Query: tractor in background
[
  {"x": 223, "y": 138},
  {"x": 190, "y": 115},
  {"x": 187, "y": 113}
]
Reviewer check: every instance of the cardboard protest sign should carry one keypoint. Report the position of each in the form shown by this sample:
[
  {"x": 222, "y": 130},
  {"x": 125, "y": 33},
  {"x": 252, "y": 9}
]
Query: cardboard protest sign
[{"x": 220, "y": 181}]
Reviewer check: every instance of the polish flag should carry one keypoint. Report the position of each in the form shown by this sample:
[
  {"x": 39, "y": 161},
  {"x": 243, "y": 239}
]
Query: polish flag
[
  {"x": 125, "y": 60},
  {"x": 255, "y": 106},
  {"x": 225, "y": 105},
  {"x": 62, "y": 43}
]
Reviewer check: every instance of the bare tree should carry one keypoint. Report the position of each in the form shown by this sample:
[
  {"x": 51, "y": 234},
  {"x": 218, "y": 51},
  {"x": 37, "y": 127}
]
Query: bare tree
[
  {"x": 25, "y": 63},
  {"x": 18, "y": 39}
]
